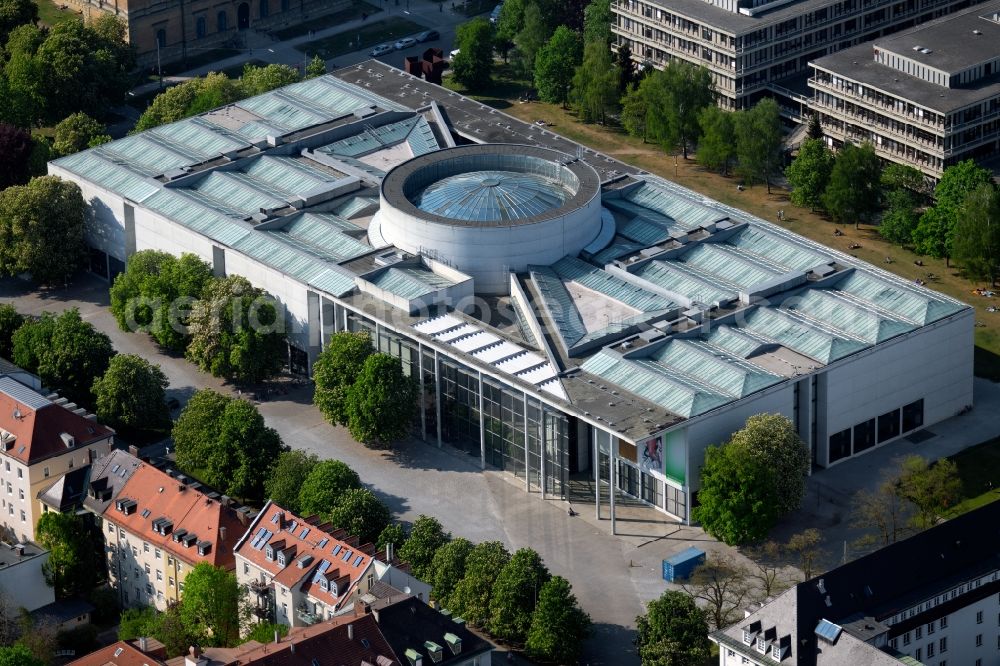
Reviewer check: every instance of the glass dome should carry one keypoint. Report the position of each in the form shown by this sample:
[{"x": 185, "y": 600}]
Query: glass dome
[{"x": 491, "y": 196}]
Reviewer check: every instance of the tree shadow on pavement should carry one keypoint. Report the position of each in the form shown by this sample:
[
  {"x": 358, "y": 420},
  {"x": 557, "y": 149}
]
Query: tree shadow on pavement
[
  {"x": 416, "y": 454},
  {"x": 605, "y": 645}
]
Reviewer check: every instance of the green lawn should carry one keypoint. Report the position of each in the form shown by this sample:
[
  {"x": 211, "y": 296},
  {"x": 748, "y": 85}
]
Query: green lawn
[
  {"x": 386, "y": 30},
  {"x": 979, "y": 468},
  {"x": 322, "y": 22},
  {"x": 50, "y": 14}
]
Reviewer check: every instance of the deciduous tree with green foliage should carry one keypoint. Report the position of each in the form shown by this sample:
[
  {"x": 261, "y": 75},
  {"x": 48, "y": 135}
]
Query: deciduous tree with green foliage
[
  {"x": 287, "y": 476},
  {"x": 41, "y": 229},
  {"x": 393, "y": 535},
  {"x": 67, "y": 353},
  {"x": 594, "y": 90},
  {"x": 635, "y": 111},
  {"x": 263, "y": 632},
  {"x": 237, "y": 331},
  {"x": 625, "y": 67},
  {"x": 976, "y": 244},
  {"x": 558, "y": 626},
  {"x": 131, "y": 395},
  {"x": 78, "y": 132},
  {"x": 809, "y": 173},
  {"x": 935, "y": 232},
  {"x": 325, "y": 486},
  {"x": 18, "y": 655},
  {"x": 72, "y": 564},
  {"x": 189, "y": 98},
  {"x": 536, "y": 30},
  {"x": 335, "y": 371},
  {"x": 155, "y": 294},
  {"x": 717, "y": 145},
  {"x": 257, "y": 80},
  {"x": 14, "y": 13},
  {"x": 471, "y": 596},
  {"x": 361, "y": 513},
  {"x": 597, "y": 21},
  {"x": 473, "y": 65},
  {"x": 738, "y": 501},
  {"x": 382, "y": 402},
  {"x": 900, "y": 217},
  {"x": 316, "y": 67},
  {"x": 225, "y": 443},
  {"x": 853, "y": 193},
  {"x": 215, "y": 604},
  {"x": 448, "y": 568},
  {"x": 555, "y": 64},
  {"x": 515, "y": 594},
  {"x": 931, "y": 487},
  {"x": 758, "y": 142},
  {"x": 10, "y": 321},
  {"x": 673, "y": 632},
  {"x": 689, "y": 91},
  {"x": 772, "y": 439},
  {"x": 426, "y": 538},
  {"x": 137, "y": 622}
]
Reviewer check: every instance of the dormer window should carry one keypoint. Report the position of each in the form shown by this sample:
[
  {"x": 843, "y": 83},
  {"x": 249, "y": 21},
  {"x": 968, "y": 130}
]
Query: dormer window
[
  {"x": 269, "y": 554},
  {"x": 325, "y": 584},
  {"x": 761, "y": 643},
  {"x": 776, "y": 652},
  {"x": 747, "y": 637},
  {"x": 281, "y": 559}
]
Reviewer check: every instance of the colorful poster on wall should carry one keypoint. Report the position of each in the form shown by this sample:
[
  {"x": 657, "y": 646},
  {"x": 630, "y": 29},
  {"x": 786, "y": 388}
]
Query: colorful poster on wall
[{"x": 651, "y": 456}]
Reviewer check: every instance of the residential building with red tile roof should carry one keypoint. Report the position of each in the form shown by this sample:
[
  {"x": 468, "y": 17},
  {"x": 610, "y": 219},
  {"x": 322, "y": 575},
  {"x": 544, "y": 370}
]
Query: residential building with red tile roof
[
  {"x": 300, "y": 571},
  {"x": 158, "y": 528},
  {"x": 42, "y": 438},
  {"x": 141, "y": 652}
]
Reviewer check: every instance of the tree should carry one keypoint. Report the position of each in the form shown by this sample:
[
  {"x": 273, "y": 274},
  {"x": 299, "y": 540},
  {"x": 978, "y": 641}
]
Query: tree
[
  {"x": 393, "y": 535},
  {"x": 225, "y": 443},
  {"x": 67, "y": 353},
  {"x": 935, "y": 232},
  {"x": 635, "y": 112},
  {"x": 772, "y": 439},
  {"x": 535, "y": 31},
  {"x": 558, "y": 625},
  {"x": 625, "y": 68},
  {"x": 137, "y": 622},
  {"x": 474, "y": 62},
  {"x": 976, "y": 244},
  {"x": 361, "y": 513},
  {"x": 717, "y": 145},
  {"x": 815, "y": 129},
  {"x": 689, "y": 90},
  {"x": 14, "y": 13},
  {"x": 237, "y": 331},
  {"x": 766, "y": 571},
  {"x": 853, "y": 193},
  {"x": 215, "y": 604},
  {"x": 192, "y": 97},
  {"x": 78, "y": 132},
  {"x": 721, "y": 584},
  {"x": 880, "y": 509},
  {"x": 597, "y": 23},
  {"x": 931, "y": 487},
  {"x": 555, "y": 63},
  {"x": 902, "y": 176},
  {"x": 325, "y": 486},
  {"x": 510, "y": 22},
  {"x": 132, "y": 395},
  {"x": 335, "y": 370},
  {"x": 381, "y": 403},
  {"x": 673, "y": 632},
  {"x": 21, "y": 83},
  {"x": 155, "y": 294},
  {"x": 738, "y": 502},
  {"x": 515, "y": 594},
  {"x": 72, "y": 562},
  {"x": 10, "y": 321},
  {"x": 285, "y": 481},
  {"x": 758, "y": 142},
  {"x": 316, "y": 67},
  {"x": 595, "y": 84},
  {"x": 19, "y": 655},
  {"x": 471, "y": 596},
  {"x": 15, "y": 146},
  {"x": 809, "y": 173},
  {"x": 426, "y": 537},
  {"x": 259, "y": 80},
  {"x": 41, "y": 229},
  {"x": 447, "y": 569},
  {"x": 805, "y": 546},
  {"x": 900, "y": 218}
]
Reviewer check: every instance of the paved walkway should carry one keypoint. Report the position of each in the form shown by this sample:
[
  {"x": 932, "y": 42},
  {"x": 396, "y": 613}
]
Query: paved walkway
[{"x": 612, "y": 575}]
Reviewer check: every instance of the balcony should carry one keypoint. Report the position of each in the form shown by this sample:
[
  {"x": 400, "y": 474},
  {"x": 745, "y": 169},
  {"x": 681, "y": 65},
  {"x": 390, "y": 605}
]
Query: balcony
[
  {"x": 259, "y": 588},
  {"x": 843, "y": 93},
  {"x": 306, "y": 617}
]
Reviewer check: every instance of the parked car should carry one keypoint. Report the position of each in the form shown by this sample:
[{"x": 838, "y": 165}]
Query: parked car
[
  {"x": 405, "y": 43},
  {"x": 428, "y": 36},
  {"x": 454, "y": 53},
  {"x": 382, "y": 49}
]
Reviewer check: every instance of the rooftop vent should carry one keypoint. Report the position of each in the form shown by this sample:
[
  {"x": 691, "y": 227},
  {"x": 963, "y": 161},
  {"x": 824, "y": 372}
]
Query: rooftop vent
[
  {"x": 454, "y": 642},
  {"x": 434, "y": 650}
]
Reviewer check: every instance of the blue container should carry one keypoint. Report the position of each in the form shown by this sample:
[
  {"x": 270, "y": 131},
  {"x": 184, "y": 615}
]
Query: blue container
[{"x": 680, "y": 566}]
